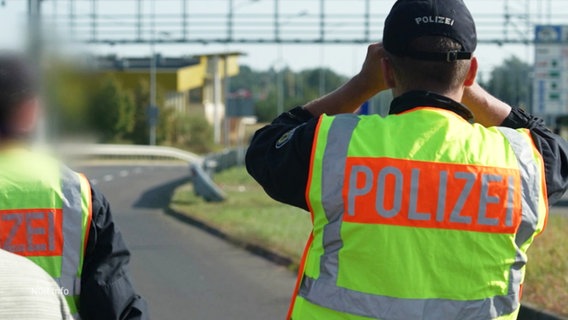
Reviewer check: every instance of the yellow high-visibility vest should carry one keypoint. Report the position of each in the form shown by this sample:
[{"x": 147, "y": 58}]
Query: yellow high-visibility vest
[
  {"x": 45, "y": 214},
  {"x": 420, "y": 215}
]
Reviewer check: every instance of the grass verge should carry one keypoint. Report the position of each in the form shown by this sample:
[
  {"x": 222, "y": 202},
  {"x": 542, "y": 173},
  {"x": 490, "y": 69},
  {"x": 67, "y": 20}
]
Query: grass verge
[
  {"x": 249, "y": 216},
  {"x": 546, "y": 284}
]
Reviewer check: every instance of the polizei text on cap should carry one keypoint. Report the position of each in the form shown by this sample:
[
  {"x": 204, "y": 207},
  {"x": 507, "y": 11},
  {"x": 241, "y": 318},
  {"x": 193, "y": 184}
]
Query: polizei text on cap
[{"x": 434, "y": 19}]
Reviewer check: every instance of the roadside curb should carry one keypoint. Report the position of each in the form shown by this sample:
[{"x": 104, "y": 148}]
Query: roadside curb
[{"x": 256, "y": 250}]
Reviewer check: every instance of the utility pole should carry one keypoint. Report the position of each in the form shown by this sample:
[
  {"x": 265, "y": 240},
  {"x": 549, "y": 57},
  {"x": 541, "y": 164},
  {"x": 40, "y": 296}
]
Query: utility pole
[
  {"x": 72, "y": 17},
  {"x": 139, "y": 21},
  {"x": 35, "y": 48},
  {"x": 34, "y": 25},
  {"x": 322, "y": 53},
  {"x": 280, "y": 82},
  {"x": 230, "y": 16},
  {"x": 94, "y": 20},
  {"x": 217, "y": 99},
  {"x": 184, "y": 19},
  {"x": 280, "y": 70},
  {"x": 226, "y": 93},
  {"x": 276, "y": 21},
  {"x": 152, "y": 109}
]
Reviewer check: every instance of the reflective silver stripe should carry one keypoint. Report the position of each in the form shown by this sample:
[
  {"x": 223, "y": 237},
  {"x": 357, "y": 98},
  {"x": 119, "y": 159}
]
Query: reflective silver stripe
[
  {"x": 326, "y": 294},
  {"x": 324, "y": 290},
  {"x": 530, "y": 176},
  {"x": 72, "y": 232},
  {"x": 530, "y": 184},
  {"x": 333, "y": 175}
]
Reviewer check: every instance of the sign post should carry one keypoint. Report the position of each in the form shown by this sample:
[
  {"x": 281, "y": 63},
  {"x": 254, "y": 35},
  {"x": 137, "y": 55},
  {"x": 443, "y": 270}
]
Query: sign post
[{"x": 550, "y": 86}]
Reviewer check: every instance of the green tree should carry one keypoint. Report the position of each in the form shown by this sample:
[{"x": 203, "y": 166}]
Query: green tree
[
  {"x": 67, "y": 99},
  {"x": 166, "y": 127},
  {"x": 511, "y": 83},
  {"x": 111, "y": 110},
  {"x": 140, "y": 133},
  {"x": 298, "y": 87},
  {"x": 166, "y": 116}
]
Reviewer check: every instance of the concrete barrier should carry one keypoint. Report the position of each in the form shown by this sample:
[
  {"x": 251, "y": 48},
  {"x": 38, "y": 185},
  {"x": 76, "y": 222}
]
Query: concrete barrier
[
  {"x": 212, "y": 164},
  {"x": 204, "y": 187}
]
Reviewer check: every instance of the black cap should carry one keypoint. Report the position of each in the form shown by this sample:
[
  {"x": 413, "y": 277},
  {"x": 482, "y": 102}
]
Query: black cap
[
  {"x": 412, "y": 19},
  {"x": 18, "y": 82},
  {"x": 17, "y": 77}
]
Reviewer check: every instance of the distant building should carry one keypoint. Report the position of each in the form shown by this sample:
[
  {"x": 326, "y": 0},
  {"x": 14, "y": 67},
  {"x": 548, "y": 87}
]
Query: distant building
[{"x": 193, "y": 85}]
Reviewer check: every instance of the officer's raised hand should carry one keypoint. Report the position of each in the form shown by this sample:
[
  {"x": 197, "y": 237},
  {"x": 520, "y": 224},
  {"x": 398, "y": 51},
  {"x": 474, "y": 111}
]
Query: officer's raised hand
[{"x": 363, "y": 86}]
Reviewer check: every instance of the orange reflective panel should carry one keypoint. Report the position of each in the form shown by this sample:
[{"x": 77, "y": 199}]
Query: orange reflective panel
[
  {"x": 432, "y": 195},
  {"x": 32, "y": 232}
]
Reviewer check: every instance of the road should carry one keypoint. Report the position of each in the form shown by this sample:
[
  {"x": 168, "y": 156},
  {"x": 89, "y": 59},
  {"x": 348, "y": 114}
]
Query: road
[{"x": 183, "y": 271}]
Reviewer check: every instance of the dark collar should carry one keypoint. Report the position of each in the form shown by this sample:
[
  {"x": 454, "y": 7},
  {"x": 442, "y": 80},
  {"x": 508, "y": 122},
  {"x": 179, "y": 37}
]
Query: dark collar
[{"x": 414, "y": 99}]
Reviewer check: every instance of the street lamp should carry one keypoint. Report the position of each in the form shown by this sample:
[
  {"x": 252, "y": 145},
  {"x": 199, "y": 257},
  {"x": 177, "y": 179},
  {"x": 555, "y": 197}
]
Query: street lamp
[
  {"x": 280, "y": 61},
  {"x": 153, "y": 108},
  {"x": 231, "y": 15},
  {"x": 35, "y": 53}
]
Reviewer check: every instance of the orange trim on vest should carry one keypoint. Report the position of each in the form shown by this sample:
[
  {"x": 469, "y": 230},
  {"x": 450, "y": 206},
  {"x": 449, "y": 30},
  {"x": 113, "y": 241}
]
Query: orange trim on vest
[
  {"x": 399, "y": 192},
  {"x": 300, "y": 275},
  {"x": 90, "y": 213},
  {"x": 310, "y": 239},
  {"x": 310, "y": 173},
  {"x": 32, "y": 232},
  {"x": 542, "y": 181}
]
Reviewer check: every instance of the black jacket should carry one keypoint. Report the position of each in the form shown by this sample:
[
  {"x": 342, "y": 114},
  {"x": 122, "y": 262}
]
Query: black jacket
[
  {"x": 106, "y": 290},
  {"x": 279, "y": 154}
]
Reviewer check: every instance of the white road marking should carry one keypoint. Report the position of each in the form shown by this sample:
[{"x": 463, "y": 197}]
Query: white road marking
[
  {"x": 124, "y": 173},
  {"x": 108, "y": 177},
  {"x": 138, "y": 170},
  {"x": 94, "y": 182}
]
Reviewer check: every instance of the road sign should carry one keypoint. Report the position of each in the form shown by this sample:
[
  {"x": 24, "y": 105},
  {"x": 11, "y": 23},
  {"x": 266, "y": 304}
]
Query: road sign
[
  {"x": 551, "y": 71},
  {"x": 153, "y": 113}
]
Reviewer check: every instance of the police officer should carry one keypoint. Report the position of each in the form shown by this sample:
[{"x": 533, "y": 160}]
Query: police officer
[
  {"x": 53, "y": 216},
  {"x": 424, "y": 214},
  {"x": 38, "y": 296}
]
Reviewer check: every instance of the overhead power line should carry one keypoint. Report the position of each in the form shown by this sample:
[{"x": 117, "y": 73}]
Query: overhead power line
[{"x": 232, "y": 21}]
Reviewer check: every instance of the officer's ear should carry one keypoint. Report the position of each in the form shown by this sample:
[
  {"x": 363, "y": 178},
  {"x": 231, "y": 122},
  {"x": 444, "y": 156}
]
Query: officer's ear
[
  {"x": 472, "y": 73},
  {"x": 388, "y": 73},
  {"x": 25, "y": 118}
]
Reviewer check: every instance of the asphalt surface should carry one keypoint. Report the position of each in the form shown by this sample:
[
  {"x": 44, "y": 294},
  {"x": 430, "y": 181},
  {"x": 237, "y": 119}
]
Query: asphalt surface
[{"x": 181, "y": 270}]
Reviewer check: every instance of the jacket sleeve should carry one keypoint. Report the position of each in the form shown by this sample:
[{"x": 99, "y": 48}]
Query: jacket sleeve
[
  {"x": 279, "y": 156},
  {"x": 106, "y": 289},
  {"x": 553, "y": 148}
]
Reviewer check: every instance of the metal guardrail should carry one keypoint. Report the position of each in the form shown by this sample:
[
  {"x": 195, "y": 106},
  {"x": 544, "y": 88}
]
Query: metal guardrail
[
  {"x": 226, "y": 159},
  {"x": 202, "y": 168},
  {"x": 128, "y": 151}
]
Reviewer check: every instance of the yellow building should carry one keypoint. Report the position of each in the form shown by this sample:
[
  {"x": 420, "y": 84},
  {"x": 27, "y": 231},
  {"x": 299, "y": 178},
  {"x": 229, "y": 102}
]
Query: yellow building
[{"x": 196, "y": 85}]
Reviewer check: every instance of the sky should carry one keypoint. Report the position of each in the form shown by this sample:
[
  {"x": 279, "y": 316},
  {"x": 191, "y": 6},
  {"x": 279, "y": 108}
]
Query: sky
[{"x": 344, "y": 59}]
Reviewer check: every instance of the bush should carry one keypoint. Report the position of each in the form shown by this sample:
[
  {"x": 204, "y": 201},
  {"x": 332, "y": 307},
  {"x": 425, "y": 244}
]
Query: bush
[{"x": 196, "y": 133}]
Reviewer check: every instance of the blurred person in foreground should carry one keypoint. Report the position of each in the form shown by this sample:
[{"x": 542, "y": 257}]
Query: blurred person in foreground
[
  {"x": 28, "y": 292},
  {"x": 51, "y": 214},
  {"x": 429, "y": 212}
]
